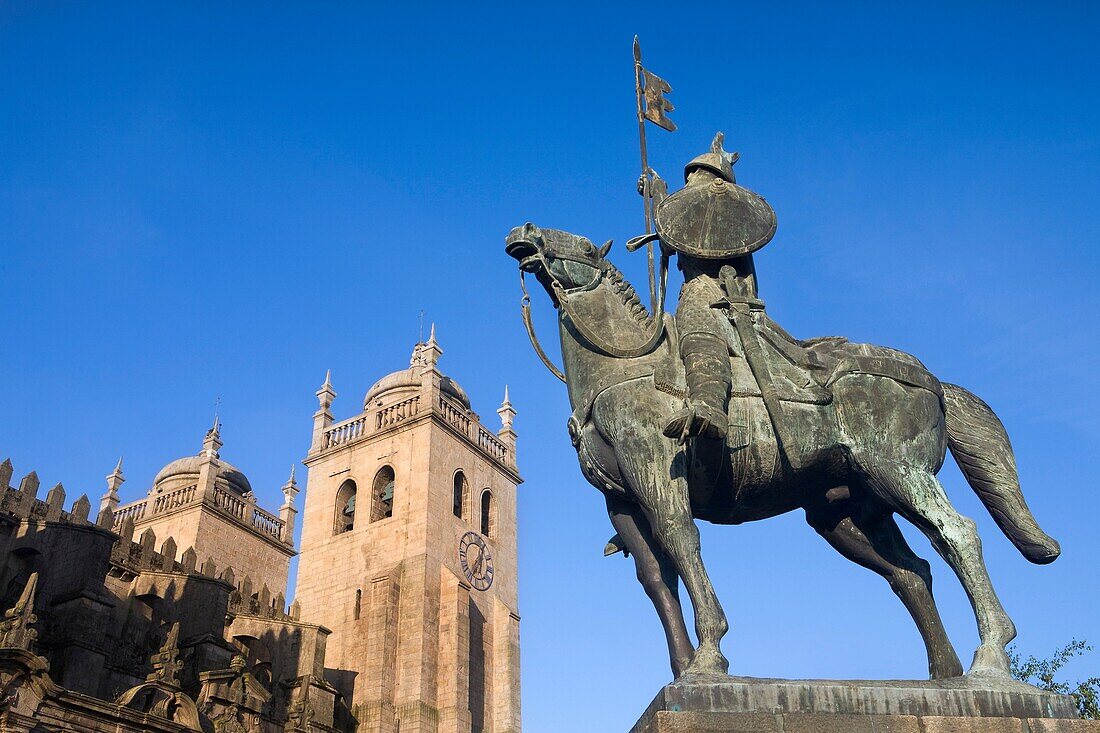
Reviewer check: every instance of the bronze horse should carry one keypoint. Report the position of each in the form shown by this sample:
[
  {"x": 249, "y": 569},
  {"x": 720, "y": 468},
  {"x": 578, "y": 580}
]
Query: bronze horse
[{"x": 868, "y": 452}]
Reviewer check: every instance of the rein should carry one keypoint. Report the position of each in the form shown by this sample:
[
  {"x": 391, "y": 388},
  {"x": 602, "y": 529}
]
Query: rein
[
  {"x": 583, "y": 328},
  {"x": 525, "y": 308}
]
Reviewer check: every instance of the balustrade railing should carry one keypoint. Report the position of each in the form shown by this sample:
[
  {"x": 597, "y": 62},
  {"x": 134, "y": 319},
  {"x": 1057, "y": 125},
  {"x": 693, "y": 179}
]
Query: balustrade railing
[
  {"x": 134, "y": 511},
  {"x": 179, "y": 497},
  {"x": 454, "y": 415},
  {"x": 397, "y": 412},
  {"x": 230, "y": 502},
  {"x": 267, "y": 523},
  {"x": 226, "y": 501},
  {"x": 344, "y": 432},
  {"x": 491, "y": 444}
]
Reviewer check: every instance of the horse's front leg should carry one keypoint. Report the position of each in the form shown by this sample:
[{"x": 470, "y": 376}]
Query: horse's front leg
[
  {"x": 664, "y": 498},
  {"x": 658, "y": 577}
]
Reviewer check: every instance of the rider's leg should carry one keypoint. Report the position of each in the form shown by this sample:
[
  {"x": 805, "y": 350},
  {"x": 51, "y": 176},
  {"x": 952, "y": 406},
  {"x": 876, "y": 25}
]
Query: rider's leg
[
  {"x": 875, "y": 542},
  {"x": 657, "y": 575},
  {"x": 707, "y": 369},
  {"x": 705, "y": 354}
]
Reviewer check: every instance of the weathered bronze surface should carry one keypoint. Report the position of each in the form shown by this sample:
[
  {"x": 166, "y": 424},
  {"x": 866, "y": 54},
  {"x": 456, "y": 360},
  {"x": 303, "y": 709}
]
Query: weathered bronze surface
[{"x": 728, "y": 418}]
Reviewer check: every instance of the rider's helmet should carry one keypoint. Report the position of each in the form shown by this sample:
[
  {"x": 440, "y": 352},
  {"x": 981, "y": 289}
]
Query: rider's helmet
[{"x": 717, "y": 161}]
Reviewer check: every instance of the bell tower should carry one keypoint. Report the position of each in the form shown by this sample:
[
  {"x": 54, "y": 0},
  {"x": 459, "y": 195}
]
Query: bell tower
[{"x": 408, "y": 555}]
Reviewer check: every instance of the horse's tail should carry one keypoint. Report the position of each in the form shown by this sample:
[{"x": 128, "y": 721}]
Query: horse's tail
[{"x": 980, "y": 445}]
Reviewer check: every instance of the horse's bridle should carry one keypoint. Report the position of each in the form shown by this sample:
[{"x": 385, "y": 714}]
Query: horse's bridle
[{"x": 561, "y": 294}]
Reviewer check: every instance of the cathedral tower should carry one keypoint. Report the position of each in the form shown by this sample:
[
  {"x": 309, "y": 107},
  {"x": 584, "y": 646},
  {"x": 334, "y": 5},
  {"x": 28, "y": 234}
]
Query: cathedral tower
[{"x": 408, "y": 555}]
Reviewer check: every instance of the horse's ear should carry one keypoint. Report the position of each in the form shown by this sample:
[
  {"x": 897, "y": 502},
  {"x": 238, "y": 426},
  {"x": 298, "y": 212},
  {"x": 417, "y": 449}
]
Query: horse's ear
[{"x": 606, "y": 248}]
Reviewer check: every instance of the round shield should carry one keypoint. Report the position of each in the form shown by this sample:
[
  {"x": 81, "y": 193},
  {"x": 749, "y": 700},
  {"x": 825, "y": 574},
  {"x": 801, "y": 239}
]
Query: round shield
[{"x": 716, "y": 220}]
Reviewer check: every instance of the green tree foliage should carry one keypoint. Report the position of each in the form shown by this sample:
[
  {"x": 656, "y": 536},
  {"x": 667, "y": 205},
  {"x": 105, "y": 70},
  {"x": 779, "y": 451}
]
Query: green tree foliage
[{"x": 1041, "y": 673}]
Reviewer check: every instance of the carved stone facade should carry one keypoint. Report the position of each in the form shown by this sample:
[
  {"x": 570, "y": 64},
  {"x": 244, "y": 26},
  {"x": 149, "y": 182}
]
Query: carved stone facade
[
  {"x": 409, "y": 555},
  {"x": 169, "y": 613}
]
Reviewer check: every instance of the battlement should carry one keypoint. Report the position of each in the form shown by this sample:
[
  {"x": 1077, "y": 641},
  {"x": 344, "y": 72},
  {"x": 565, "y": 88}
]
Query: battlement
[{"x": 23, "y": 502}]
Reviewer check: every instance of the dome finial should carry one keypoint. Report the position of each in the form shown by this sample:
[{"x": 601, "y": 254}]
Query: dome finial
[
  {"x": 326, "y": 394},
  {"x": 290, "y": 489},
  {"x": 212, "y": 442},
  {"x": 216, "y": 426},
  {"x": 114, "y": 480},
  {"x": 426, "y": 355},
  {"x": 507, "y": 412}
]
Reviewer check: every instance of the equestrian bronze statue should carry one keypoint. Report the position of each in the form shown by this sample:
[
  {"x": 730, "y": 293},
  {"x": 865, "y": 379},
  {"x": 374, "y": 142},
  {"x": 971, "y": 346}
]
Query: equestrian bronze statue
[{"x": 721, "y": 415}]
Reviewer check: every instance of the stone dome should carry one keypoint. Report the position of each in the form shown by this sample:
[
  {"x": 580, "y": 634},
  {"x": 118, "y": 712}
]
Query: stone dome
[
  {"x": 410, "y": 379},
  {"x": 187, "y": 469}
]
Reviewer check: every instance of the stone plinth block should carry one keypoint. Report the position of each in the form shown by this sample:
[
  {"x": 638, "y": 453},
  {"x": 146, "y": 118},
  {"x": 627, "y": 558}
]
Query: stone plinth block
[{"x": 959, "y": 705}]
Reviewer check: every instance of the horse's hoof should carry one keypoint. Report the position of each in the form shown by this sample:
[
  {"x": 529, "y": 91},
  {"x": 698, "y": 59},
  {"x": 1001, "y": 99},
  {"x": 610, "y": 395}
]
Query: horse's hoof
[
  {"x": 707, "y": 664},
  {"x": 990, "y": 662}
]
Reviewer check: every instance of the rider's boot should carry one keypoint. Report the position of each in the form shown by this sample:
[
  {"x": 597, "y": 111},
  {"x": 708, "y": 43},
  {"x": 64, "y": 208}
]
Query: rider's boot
[{"x": 707, "y": 366}]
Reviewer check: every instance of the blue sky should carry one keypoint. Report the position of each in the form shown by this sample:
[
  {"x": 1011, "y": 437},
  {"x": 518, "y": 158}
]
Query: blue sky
[{"x": 201, "y": 201}]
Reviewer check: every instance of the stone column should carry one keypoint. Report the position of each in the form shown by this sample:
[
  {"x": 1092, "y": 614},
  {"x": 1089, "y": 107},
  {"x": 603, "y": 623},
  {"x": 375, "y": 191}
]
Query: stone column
[
  {"x": 375, "y": 689},
  {"x": 506, "y": 700},
  {"x": 418, "y": 646},
  {"x": 454, "y": 656}
]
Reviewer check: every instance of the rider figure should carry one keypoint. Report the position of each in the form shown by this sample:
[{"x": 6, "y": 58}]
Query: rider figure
[{"x": 714, "y": 226}]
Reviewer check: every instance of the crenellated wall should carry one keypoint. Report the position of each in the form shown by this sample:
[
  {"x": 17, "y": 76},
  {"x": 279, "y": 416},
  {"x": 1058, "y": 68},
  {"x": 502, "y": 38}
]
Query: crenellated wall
[{"x": 121, "y": 626}]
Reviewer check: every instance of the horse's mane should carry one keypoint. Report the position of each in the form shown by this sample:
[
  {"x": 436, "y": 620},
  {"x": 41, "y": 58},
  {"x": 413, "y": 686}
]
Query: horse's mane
[
  {"x": 628, "y": 295},
  {"x": 616, "y": 280}
]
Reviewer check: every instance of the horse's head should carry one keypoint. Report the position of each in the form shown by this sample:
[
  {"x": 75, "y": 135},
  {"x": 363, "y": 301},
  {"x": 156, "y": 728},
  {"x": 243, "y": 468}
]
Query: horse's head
[{"x": 556, "y": 258}]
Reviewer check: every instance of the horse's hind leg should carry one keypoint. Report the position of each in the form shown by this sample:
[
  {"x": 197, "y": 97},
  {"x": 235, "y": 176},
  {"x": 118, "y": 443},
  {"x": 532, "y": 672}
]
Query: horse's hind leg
[
  {"x": 919, "y": 497},
  {"x": 657, "y": 576},
  {"x": 874, "y": 541}
]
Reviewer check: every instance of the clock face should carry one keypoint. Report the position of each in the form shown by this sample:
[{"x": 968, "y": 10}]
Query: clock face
[{"x": 476, "y": 562}]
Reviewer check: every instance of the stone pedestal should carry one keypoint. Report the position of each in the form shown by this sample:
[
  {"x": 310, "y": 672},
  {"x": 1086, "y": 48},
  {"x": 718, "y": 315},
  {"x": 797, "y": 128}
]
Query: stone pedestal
[{"x": 959, "y": 705}]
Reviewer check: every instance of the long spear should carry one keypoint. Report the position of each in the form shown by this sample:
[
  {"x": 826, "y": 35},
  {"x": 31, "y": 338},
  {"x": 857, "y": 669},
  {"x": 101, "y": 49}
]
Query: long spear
[{"x": 649, "y": 91}]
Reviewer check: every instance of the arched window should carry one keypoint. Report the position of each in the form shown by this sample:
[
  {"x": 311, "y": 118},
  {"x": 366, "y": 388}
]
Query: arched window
[
  {"x": 345, "y": 507},
  {"x": 487, "y": 521},
  {"x": 382, "y": 494},
  {"x": 461, "y": 491}
]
